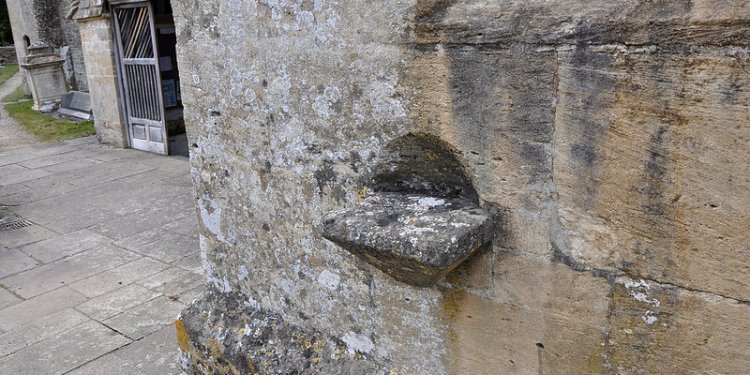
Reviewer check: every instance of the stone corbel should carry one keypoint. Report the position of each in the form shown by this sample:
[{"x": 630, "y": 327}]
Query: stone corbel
[{"x": 422, "y": 218}]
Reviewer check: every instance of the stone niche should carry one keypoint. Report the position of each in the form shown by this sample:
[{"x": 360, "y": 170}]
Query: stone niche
[{"x": 419, "y": 219}]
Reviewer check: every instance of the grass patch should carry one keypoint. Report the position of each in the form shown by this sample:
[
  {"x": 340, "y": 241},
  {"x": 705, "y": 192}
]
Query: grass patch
[
  {"x": 7, "y": 71},
  {"x": 47, "y": 128},
  {"x": 19, "y": 94}
]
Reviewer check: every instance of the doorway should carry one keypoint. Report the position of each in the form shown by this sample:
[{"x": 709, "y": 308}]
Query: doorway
[{"x": 149, "y": 77}]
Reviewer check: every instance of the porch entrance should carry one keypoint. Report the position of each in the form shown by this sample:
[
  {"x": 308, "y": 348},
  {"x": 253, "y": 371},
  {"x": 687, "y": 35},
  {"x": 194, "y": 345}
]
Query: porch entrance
[{"x": 149, "y": 78}]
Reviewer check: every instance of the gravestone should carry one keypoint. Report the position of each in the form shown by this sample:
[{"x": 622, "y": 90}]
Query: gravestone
[{"x": 76, "y": 104}]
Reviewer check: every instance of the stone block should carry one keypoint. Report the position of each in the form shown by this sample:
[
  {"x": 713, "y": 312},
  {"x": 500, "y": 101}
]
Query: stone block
[
  {"x": 163, "y": 245},
  {"x": 7, "y": 298},
  {"x": 146, "y": 318},
  {"x": 23, "y": 176},
  {"x": 553, "y": 288},
  {"x": 63, "y": 352},
  {"x": 156, "y": 353},
  {"x": 65, "y": 245},
  {"x": 173, "y": 282},
  {"x": 10, "y": 239},
  {"x": 116, "y": 277},
  {"x": 13, "y": 261},
  {"x": 68, "y": 270},
  {"x": 642, "y": 141},
  {"x": 117, "y": 301},
  {"x": 676, "y": 331},
  {"x": 560, "y": 22},
  {"x": 38, "y": 307},
  {"x": 496, "y": 338},
  {"x": 109, "y": 364},
  {"x": 37, "y": 330},
  {"x": 415, "y": 239}
]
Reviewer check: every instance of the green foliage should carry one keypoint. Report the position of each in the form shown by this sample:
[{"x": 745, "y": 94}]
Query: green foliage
[{"x": 47, "y": 128}]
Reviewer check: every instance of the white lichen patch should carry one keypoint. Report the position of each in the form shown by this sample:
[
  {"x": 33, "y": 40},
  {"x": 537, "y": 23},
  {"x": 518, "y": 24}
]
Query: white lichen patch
[
  {"x": 357, "y": 343},
  {"x": 639, "y": 284},
  {"x": 649, "y": 318},
  {"x": 211, "y": 217},
  {"x": 243, "y": 273},
  {"x": 639, "y": 291},
  {"x": 430, "y": 202},
  {"x": 329, "y": 279}
]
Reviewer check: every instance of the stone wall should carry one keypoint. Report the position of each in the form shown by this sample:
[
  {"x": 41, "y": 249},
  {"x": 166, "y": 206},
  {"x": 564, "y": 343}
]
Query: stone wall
[
  {"x": 608, "y": 138},
  {"x": 101, "y": 70},
  {"x": 43, "y": 21},
  {"x": 76, "y": 69},
  {"x": 8, "y": 55},
  {"x": 22, "y": 23}
]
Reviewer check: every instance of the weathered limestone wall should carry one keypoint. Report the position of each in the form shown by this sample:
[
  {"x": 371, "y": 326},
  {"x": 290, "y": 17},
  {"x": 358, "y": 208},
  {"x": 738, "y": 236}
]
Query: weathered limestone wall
[
  {"x": 22, "y": 23},
  {"x": 99, "y": 53},
  {"x": 8, "y": 55},
  {"x": 43, "y": 21},
  {"x": 610, "y": 138},
  {"x": 76, "y": 69}
]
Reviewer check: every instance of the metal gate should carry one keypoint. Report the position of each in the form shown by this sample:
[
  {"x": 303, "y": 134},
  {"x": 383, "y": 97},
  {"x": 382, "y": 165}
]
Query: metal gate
[{"x": 140, "y": 77}]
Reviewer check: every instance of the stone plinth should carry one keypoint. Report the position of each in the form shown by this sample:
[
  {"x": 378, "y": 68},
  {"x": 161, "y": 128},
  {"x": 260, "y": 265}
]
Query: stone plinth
[{"x": 46, "y": 77}]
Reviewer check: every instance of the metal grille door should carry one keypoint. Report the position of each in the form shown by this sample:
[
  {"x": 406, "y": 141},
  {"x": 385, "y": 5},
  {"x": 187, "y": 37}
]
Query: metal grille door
[{"x": 141, "y": 81}]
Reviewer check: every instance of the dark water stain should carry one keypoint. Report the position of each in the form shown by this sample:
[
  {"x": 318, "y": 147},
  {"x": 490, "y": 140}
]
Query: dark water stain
[
  {"x": 592, "y": 97},
  {"x": 325, "y": 175}
]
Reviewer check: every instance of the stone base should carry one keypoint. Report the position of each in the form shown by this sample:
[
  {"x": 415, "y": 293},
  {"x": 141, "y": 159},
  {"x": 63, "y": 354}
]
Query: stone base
[{"x": 223, "y": 334}]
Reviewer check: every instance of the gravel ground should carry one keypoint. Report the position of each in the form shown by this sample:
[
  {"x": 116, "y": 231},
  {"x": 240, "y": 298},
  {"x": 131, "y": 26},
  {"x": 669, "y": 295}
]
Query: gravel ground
[{"x": 12, "y": 135}]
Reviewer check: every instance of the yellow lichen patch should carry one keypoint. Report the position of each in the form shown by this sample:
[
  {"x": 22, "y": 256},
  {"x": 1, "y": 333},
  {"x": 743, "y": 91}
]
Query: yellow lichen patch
[
  {"x": 182, "y": 337},
  {"x": 361, "y": 194},
  {"x": 319, "y": 345}
]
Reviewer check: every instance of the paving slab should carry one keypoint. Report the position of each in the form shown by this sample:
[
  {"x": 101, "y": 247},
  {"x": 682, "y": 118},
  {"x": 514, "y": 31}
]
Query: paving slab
[
  {"x": 36, "y": 190},
  {"x": 11, "y": 169},
  {"x": 73, "y": 165},
  {"x": 8, "y": 299},
  {"x": 33, "y": 152},
  {"x": 160, "y": 244},
  {"x": 76, "y": 218},
  {"x": 23, "y": 236},
  {"x": 39, "y": 330},
  {"x": 65, "y": 245},
  {"x": 146, "y": 318},
  {"x": 109, "y": 364},
  {"x": 191, "y": 263},
  {"x": 113, "y": 303},
  {"x": 155, "y": 354},
  {"x": 13, "y": 261},
  {"x": 186, "y": 225},
  {"x": 68, "y": 270},
  {"x": 191, "y": 295},
  {"x": 173, "y": 281},
  {"x": 114, "y": 171},
  {"x": 39, "y": 307},
  {"x": 118, "y": 277},
  {"x": 65, "y": 351},
  {"x": 46, "y": 161},
  {"x": 64, "y": 282},
  {"x": 22, "y": 176}
]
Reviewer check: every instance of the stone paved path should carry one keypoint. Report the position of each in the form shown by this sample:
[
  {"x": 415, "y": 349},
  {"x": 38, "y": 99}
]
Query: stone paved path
[
  {"x": 102, "y": 257},
  {"x": 12, "y": 135}
]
